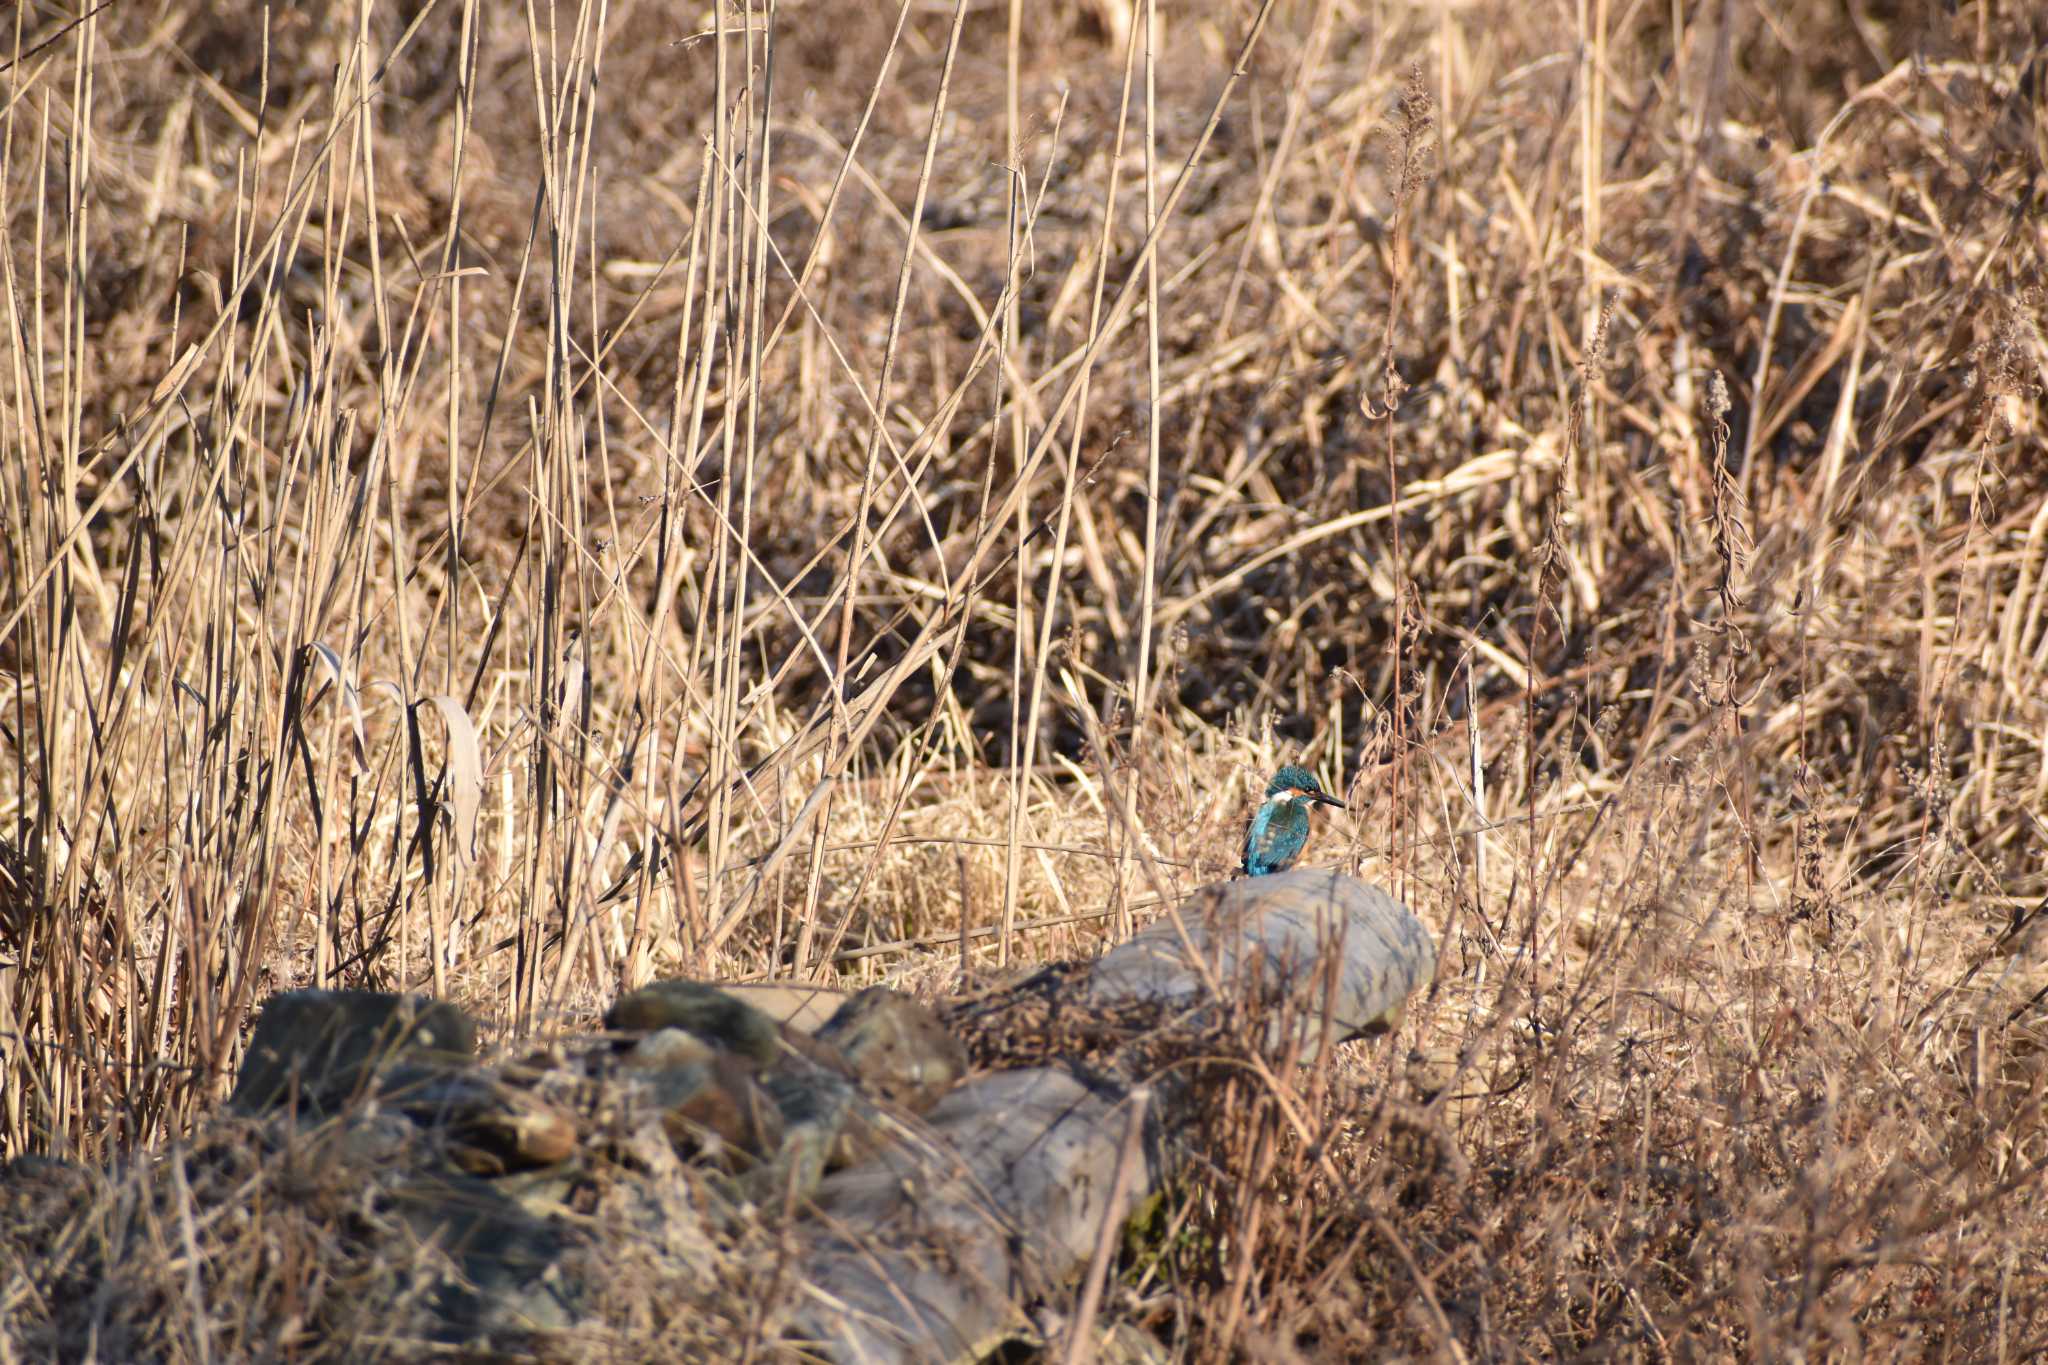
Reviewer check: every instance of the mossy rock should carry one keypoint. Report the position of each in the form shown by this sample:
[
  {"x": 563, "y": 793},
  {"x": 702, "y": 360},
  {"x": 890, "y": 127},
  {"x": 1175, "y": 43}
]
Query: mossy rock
[
  {"x": 703, "y": 1010},
  {"x": 896, "y": 1047},
  {"x": 324, "y": 1048}
]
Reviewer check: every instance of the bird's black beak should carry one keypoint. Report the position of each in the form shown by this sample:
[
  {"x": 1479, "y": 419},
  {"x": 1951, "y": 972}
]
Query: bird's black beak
[{"x": 1325, "y": 799}]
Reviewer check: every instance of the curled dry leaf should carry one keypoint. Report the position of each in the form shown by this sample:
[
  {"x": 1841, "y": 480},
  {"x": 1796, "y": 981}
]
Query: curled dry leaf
[
  {"x": 465, "y": 772},
  {"x": 349, "y": 699}
]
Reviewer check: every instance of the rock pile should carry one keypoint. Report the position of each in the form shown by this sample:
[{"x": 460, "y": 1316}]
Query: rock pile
[
  {"x": 822, "y": 1172},
  {"x": 503, "y": 1155}
]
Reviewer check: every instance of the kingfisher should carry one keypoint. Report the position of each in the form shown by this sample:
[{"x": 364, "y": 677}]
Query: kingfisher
[{"x": 1279, "y": 827}]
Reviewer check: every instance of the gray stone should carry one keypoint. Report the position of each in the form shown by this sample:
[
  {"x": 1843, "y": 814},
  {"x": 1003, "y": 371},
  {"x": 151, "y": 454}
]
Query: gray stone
[
  {"x": 927, "y": 1250},
  {"x": 1124, "y": 1344},
  {"x": 508, "y": 1279},
  {"x": 323, "y": 1048},
  {"x": 488, "y": 1126},
  {"x": 702, "y": 1010},
  {"x": 1275, "y": 936},
  {"x": 666, "y": 1048},
  {"x": 896, "y": 1047},
  {"x": 815, "y": 1105},
  {"x": 715, "y": 1109}
]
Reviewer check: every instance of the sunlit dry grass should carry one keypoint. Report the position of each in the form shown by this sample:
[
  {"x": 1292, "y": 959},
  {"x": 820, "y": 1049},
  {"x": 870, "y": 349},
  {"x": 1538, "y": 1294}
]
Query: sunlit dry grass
[{"x": 519, "y": 503}]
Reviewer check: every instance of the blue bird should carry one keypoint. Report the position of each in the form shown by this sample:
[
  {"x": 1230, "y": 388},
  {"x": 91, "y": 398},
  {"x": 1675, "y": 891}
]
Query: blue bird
[{"x": 1279, "y": 827}]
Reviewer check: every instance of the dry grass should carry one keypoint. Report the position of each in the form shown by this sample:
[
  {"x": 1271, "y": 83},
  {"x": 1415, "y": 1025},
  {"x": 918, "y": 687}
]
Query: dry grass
[{"x": 1607, "y": 446}]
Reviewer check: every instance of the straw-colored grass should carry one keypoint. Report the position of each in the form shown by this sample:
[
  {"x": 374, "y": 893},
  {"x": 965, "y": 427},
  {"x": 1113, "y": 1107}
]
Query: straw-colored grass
[{"x": 515, "y": 502}]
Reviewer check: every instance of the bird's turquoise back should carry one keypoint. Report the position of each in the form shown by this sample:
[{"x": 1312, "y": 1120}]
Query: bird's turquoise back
[{"x": 1278, "y": 833}]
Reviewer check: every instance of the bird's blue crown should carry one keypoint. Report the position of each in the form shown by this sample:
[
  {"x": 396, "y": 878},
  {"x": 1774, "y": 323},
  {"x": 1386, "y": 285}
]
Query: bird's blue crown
[{"x": 1293, "y": 777}]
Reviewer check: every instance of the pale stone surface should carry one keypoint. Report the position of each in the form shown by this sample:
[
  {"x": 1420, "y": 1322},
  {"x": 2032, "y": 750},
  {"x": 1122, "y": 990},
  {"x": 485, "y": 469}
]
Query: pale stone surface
[
  {"x": 799, "y": 1006},
  {"x": 950, "y": 1233},
  {"x": 1269, "y": 933}
]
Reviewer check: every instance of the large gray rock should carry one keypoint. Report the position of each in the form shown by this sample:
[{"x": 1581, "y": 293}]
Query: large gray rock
[
  {"x": 1271, "y": 935},
  {"x": 928, "y": 1248}
]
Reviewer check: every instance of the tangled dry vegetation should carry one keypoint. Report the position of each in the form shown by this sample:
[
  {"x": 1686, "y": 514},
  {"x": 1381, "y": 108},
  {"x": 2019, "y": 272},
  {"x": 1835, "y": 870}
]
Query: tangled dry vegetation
[{"x": 839, "y": 535}]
